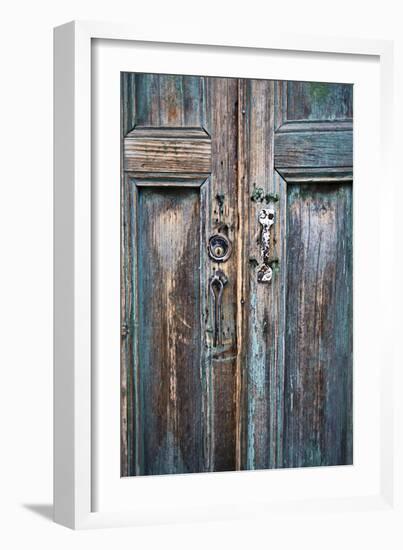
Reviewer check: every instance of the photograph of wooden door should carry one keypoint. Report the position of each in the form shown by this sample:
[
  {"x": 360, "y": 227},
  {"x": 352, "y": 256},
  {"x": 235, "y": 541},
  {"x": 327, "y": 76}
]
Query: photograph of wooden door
[{"x": 236, "y": 274}]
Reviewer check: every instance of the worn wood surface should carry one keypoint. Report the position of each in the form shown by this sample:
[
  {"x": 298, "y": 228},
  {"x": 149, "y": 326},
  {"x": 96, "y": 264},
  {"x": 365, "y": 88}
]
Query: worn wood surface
[
  {"x": 167, "y": 132},
  {"x": 313, "y": 148},
  {"x": 169, "y": 100},
  {"x": 263, "y": 314},
  {"x": 171, "y": 152},
  {"x": 309, "y": 174},
  {"x": 201, "y": 116},
  {"x": 313, "y": 153},
  {"x": 163, "y": 385},
  {"x": 318, "y": 339},
  {"x": 319, "y": 101},
  {"x": 169, "y": 331},
  {"x": 203, "y": 156},
  {"x": 221, "y": 203}
]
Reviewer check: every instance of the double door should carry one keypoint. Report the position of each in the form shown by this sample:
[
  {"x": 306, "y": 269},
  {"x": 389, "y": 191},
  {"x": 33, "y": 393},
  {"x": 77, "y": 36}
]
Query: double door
[{"x": 236, "y": 295}]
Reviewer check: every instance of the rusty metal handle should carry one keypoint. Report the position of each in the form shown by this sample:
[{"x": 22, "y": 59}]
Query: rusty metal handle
[
  {"x": 217, "y": 284},
  {"x": 266, "y": 220}
]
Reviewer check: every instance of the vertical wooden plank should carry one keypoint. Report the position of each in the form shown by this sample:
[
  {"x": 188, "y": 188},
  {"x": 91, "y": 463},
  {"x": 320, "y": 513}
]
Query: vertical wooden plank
[
  {"x": 206, "y": 351},
  {"x": 128, "y": 104},
  {"x": 280, "y": 107},
  {"x": 222, "y": 109},
  {"x": 126, "y": 424},
  {"x": 171, "y": 100},
  {"x": 193, "y": 101},
  {"x": 169, "y": 330},
  {"x": 147, "y": 100},
  {"x": 123, "y": 297},
  {"x": 242, "y": 245},
  {"x": 263, "y": 312},
  {"x": 318, "y": 401},
  {"x": 130, "y": 316}
]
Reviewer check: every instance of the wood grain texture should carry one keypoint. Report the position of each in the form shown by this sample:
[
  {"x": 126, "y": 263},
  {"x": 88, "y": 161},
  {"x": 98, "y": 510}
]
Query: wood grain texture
[
  {"x": 170, "y": 100},
  {"x": 126, "y": 295},
  {"x": 312, "y": 174},
  {"x": 305, "y": 149},
  {"x": 294, "y": 126},
  {"x": 263, "y": 317},
  {"x": 128, "y": 107},
  {"x": 319, "y": 101},
  {"x": 168, "y": 132},
  {"x": 318, "y": 340},
  {"x": 172, "y": 407},
  {"x": 222, "y": 217},
  {"x": 169, "y": 331},
  {"x": 179, "y": 155},
  {"x": 213, "y": 107},
  {"x": 318, "y": 272},
  {"x": 202, "y": 156},
  {"x": 168, "y": 180}
]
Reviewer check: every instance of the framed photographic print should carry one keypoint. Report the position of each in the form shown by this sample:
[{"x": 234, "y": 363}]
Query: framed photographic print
[{"x": 214, "y": 231}]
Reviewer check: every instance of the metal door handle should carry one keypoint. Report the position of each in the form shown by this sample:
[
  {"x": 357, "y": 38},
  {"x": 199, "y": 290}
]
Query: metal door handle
[
  {"x": 266, "y": 220},
  {"x": 217, "y": 283}
]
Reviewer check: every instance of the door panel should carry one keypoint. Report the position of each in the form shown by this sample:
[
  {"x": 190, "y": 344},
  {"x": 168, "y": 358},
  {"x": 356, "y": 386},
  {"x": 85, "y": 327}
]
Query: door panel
[
  {"x": 168, "y": 150},
  {"x": 169, "y": 320},
  {"x": 318, "y": 341},
  {"x": 313, "y": 146},
  {"x": 264, "y": 379},
  {"x": 319, "y": 101},
  {"x": 168, "y": 100}
]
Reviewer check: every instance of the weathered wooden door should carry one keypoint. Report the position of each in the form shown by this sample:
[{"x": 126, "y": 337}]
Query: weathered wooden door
[{"x": 236, "y": 274}]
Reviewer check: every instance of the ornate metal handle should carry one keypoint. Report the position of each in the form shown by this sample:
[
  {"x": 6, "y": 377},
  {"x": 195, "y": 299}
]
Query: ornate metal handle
[
  {"x": 217, "y": 283},
  {"x": 266, "y": 220}
]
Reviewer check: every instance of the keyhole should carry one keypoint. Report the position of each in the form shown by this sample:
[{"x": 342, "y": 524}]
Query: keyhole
[{"x": 219, "y": 248}]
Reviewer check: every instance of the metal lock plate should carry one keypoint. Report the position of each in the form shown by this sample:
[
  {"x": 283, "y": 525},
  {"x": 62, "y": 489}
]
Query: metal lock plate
[
  {"x": 219, "y": 248},
  {"x": 266, "y": 220}
]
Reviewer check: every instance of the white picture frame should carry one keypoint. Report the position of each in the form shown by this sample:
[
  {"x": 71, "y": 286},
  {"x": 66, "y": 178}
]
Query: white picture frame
[{"x": 79, "y": 439}]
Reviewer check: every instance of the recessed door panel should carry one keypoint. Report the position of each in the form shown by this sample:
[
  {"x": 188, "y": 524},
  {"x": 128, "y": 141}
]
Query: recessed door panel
[
  {"x": 318, "y": 341},
  {"x": 171, "y": 438}
]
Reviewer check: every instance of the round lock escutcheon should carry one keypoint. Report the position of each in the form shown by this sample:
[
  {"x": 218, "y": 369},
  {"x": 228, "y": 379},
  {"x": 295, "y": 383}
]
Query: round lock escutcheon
[{"x": 219, "y": 248}]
